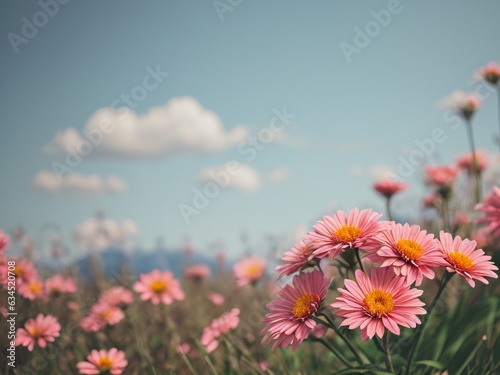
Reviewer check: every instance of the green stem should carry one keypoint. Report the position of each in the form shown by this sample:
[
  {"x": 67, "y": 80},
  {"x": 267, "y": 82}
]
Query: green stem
[
  {"x": 418, "y": 334},
  {"x": 344, "y": 338},
  {"x": 388, "y": 208},
  {"x": 388, "y": 358},
  {"x": 498, "y": 97},
  {"x": 475, "y": 168},
  {"x": 356, "y": 251}
]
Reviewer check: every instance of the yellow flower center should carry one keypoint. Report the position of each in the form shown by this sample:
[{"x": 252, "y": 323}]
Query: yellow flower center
[
  {"x": 347, "y": 233},
  {"x": 104, "y": 363},
  {"x": 105, "y": 315},
  {"x": 158, "y": 286},
  {"x": 34, "y": 288},
  {"x": 254, "y": 270},
  {"x": 461, "y": 261},
  {"x": 378, "y": 303},
  {"x": 33, "y": 332},
  {"x": 18, "y": 271},
  {"x": 409, "y": 249},
  {"x": 306, "y": 305}
]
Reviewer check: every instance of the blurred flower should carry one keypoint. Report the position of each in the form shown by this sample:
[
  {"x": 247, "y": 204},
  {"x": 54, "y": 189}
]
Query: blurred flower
[
  {"x": 159, "y": 286},
  {"x": 196, "y": 272},
  {"x": 4, "y": 241},
  {"x": 249, "y": 270},
  {"x": 319, "y": 331},
  {"x": 462, "y": 219},
  {"x": 465, "y": 104},
  {"x": 462, "y": 257},
  {"x": 102, "y": 362},
  {"x": 263, "y": 366},
  {"x": 101, "y": 314},
  {"x": 59, "y": 284},
  {"x": 217, "y": 328},
  {"x": 431, "y": 200},
  {"x": 482, "y": 236},
  {"x": 491, "y": 207},
  {"x": 334, "y": 234},
  {"x": 290, "y": 317},
  {"x": 38, "y": 331},
  {"x": 379, "y": 301},
  {"x": 466, "y": 162},
  {"x": 117, "y": 295},
  {"x": 24, "y": 271},
  {"x": 441, "y": 176},
  {"x": 490, "y": 73},
  {"x": 216, "y": 298},
  {"x": 73, "y": 306},
  {"x": 388, "y": 187},
  {"x": 32, "y": 289},
  {"x": 410, "y": 251},
  {"x": 184, "y": 348},
  {"x": 295, "y": 259}
]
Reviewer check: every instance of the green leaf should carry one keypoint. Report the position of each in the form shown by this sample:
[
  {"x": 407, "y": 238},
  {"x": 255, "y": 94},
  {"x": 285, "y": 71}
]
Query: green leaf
[
  {"x": 433, "y": 364},
  {"x": 363, "y": 370}
]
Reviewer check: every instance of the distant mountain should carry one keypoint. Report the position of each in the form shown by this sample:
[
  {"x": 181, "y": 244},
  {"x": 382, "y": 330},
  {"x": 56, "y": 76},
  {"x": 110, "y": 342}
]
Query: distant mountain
[{"x": 114, "y": 260}]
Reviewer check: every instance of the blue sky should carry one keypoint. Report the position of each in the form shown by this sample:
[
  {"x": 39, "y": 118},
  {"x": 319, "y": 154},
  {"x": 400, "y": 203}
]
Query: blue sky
[{"x": 260, "y": 57}]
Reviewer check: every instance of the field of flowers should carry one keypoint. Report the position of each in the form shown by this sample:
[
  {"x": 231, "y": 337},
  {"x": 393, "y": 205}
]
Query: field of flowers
[{"x": 359, "y": 294}]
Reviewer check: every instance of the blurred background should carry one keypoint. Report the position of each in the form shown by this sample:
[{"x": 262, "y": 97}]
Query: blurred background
[{"x": 164, "y": 127}]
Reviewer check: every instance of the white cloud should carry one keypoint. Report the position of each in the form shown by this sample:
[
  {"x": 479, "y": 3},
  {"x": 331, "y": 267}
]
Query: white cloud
[
  {"x": 379, "y": 171},
  {"x": 244, "y": 177},
  {"x": 278, "y": 175},
  {"x": 375, "y": 172},
  {"x": 182, "y": 125},
  {"x": 100, "y": 233},
  {"x": 77, "y": 183}
]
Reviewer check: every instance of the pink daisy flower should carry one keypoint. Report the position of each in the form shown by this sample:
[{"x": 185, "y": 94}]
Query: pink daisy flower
[
  {"x": 58, "y": 284},
  {"x": 441, "y": 176},
  {"x": 219, "y": 327},
  {"x": 466, "y": 162},
  {"x": 32, "y": 289},
  {"x": 490, "y": 73},
  {"x": 159, "y": 286},
  {"x": 117, "y": 295},
  {"x": 249, "y": 270},
  {"x": 491, "y": 207},
  {"x": 290, "y": 317},
  {"x": 388, "y": 187},
  {"x": 4, "y": 241},
  {"x": 38, "y": 331},
  {"x": 101, "y": 314},
  {"x": 103, "y": 361},
  {"x": 216, "y": 298},
  {"x": 376, "y": 302},
  {"x": 334, "y": 234},
  {"x": 412, "y": 252},
  {"x": 464, "y": 104},
  {"x": 295, "y": 259},
  {"x": 462, "y": 257},
  {"x": 196, "y": 272},
  {"x": 24, "y": 270}
]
